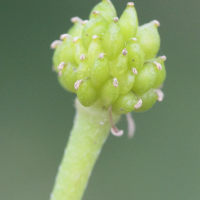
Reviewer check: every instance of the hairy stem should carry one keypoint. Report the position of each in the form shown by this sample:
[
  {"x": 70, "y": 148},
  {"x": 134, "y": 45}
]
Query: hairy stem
[{"x": 90, "y": 131}]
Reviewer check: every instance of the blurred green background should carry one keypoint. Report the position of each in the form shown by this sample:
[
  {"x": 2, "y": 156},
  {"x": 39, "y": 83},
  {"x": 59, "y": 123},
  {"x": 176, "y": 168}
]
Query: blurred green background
[{"x": 162, "y": 161}]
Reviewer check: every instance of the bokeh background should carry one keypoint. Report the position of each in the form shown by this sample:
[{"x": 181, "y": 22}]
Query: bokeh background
[{"x": 162, "y": 161}]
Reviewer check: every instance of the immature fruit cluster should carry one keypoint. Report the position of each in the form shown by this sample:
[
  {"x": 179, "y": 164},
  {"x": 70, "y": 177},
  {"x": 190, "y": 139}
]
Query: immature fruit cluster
[{"x": 111, "y": 59}]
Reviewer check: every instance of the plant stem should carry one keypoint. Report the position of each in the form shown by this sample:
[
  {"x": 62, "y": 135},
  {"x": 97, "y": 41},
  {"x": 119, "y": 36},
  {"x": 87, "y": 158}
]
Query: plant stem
[{"x": 90, "y": 131}]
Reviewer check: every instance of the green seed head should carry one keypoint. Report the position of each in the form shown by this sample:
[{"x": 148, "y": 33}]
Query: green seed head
[{"x": 111, "y": 60}]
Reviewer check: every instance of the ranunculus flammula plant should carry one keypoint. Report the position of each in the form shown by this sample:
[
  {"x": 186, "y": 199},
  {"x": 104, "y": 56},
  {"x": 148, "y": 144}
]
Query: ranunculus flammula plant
[{"x": 112, "y": 65}]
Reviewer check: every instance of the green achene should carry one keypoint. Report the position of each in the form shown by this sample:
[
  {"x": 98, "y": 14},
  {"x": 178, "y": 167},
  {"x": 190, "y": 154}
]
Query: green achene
[
  {"x": 56, "y": 58},
  {"x": 125, "y": 103},
  {"x": 68, "y": 77},
  {"x": 95, "y": 48},
  {"x": 146, "y": 78},
  {"x": 161, "y": 75},
  {"x": 119, "y": 66},
  {"x": 129, "y": 22},
  {"x": 77, "y": 28},
  {"x": 97, "y": 25},
  {"x": 84, "y": 69},
  {"x": 149, "y": 39},
  {"x": 136, "y": 54},
  {"x": 66, "y": 50},
  {"x": 113, "y": 41},
  {"x": 109, "y": 92},
  {"x": 126, "y": 82},
  {"x": 100, "y": 71},
  {"x": 78, "y": 49},
  {"x": 107, "y": 10},
  {"x": 86, "y": 93},
  {"x": 148, "y": 100}
]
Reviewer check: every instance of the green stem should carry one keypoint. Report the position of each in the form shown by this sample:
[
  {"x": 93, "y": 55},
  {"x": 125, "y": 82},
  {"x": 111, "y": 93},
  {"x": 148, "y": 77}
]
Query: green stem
[{"x": 90, "y": 131}]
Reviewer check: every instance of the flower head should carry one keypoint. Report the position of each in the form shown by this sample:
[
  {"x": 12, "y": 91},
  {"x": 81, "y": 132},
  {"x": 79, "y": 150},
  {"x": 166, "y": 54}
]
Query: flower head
[{"x": 111, "y": 59}]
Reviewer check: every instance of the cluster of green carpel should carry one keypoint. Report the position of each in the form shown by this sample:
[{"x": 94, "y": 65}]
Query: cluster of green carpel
[{"x": 111, "y": 59}]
